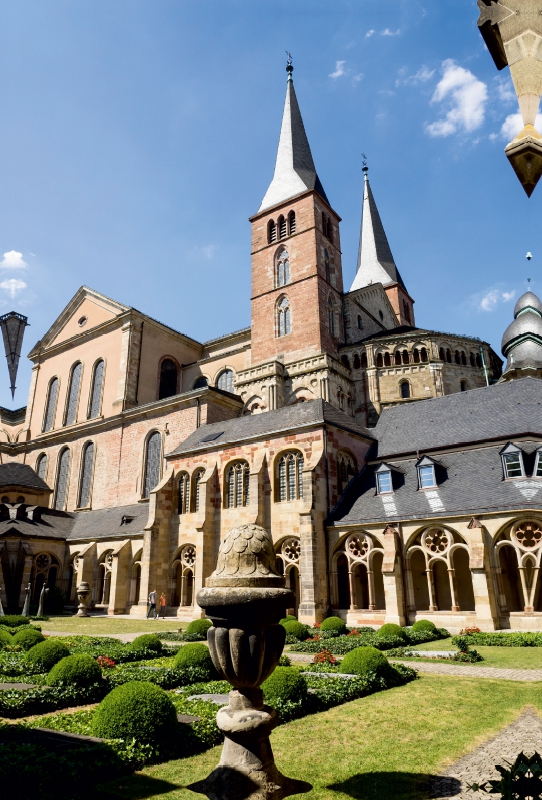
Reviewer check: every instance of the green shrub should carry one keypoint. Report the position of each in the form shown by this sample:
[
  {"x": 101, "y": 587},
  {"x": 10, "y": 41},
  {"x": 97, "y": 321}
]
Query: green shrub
[
  {"x": 286, "y": 691},
  {"x": 199, "y": 626},
  {"x": 196, "y": 654},
  {"x": 295, "y": 628},
  {"x": 364, "y": 660},
  {"x": 27, "y": 637},
  {"x": 136, "y": 710},
  {"x": 288, "y": 618},
  {"x": 334, "y": 624},
  {"x": 148, "y": 641},
  {"x": 5, "y": 637},
  {"x": 424, "y": 625},
  {"x": 78, "y": 670},
  {"x": 14, "y": 620},
  {"x": 392, "y": 630},
  {"x": 284, "y": 661},
  {"x": 45, "y": 655}
]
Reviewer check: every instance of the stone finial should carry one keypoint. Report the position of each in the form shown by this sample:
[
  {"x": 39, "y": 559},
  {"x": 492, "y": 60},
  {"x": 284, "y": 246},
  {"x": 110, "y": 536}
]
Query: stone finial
[{"x": 246, "y": 558}]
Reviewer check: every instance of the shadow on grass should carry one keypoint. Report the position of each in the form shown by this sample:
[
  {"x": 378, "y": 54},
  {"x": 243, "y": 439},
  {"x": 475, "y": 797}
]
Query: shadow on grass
[
  {"x": 135, "y": 787},
  {"x": 395, "y": 786}
]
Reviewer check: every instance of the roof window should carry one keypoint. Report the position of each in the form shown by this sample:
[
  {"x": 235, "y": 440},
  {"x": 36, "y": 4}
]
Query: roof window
[
  {"x": 384, "y": 483},
  {"x": 512, "y": 461},
  {"x": 426, "y": 473},
  {"x": 537, "y": 473}
]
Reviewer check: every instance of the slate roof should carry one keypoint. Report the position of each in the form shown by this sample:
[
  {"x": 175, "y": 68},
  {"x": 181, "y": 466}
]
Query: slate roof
[
  {"x": 15, "y": 474},
  {"x": 502, "y": 411},
  {"x": 104, "y": 523},
  {"x": 47, "y": 523},
  {"x": 469, "y": 482},
  {"x": 272, "y": 422}
]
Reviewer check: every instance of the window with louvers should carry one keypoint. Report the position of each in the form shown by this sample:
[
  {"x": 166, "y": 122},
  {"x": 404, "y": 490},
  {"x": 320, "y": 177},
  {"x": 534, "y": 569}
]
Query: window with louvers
[
  {"x": 41, "y": 466},
  {"x": 96, "y": 396},
  {"x": 86, "y": 476},
  {"x": 73, "y": 395},
  {"x": 152, "y": 463},
  {"x": 184, "y": 493},
  {"x": 197, "y": 481},
  {"x": 291, "y": 477},
  {"x": 51, "y": 406},
  {"x": 62, "y": 480},
  {"x": 237, "y": 485}
]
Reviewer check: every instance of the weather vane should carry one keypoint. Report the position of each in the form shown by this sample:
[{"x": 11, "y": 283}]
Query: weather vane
[{"x": 289, "y": 61}]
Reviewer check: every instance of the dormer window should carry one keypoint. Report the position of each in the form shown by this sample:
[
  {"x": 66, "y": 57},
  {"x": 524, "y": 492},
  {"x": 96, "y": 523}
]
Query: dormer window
[
  {"x": 426, "y": 473},
  {"x": 537, "y": 473},
  {"x": 512, "y": 461},
  {"x": 384, "y": 483}
]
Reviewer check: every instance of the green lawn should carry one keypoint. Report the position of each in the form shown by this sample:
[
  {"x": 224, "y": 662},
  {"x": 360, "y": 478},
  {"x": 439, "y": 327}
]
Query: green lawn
[
  {"x": 383, "y": 746},
  {"x": 509, "y": 657},
  {"x": 108, "y": 625}
]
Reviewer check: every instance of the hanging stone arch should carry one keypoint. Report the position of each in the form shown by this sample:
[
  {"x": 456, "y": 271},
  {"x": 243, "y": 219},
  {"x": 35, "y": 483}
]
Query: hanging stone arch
[
  {"x": 183, "y": 574},
  {"x": 518, "y": 554},
  {"x": 356, "y": 574},
  {"x": 288, "y": 564}
]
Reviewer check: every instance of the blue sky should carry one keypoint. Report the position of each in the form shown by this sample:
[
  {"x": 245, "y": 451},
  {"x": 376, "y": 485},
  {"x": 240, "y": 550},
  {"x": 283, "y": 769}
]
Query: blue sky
[{"x": 138, "y": 136}]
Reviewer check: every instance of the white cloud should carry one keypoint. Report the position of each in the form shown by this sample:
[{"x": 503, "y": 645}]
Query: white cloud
[
  {"x": 505, "y": 90},
  {"x": 12, "y": 286},
  {"x": 466, "y": 97},
  {"x": 423, "y": 75},
  {"x": 491, "y": 299},
  {"x": 370, "y": 33},
  {"x": 209, "y": 250},
  {"x": 387, "y": 32},
  {"x": 339, "y": 70},
  {"x": 513, "y": 124},
  {"x": 13, "y": 260}
]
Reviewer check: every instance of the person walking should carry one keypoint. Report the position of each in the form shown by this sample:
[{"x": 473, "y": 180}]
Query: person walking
[
  {"x": 163, "y": 605},
  {"x": 152, "y": 604}
]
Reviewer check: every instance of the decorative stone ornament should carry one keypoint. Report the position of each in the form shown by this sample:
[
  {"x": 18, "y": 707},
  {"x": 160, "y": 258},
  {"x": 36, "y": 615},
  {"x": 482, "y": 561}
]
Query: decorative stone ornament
[
  {"x": 245, "y": 598},
  {"x": 83, "y": 591},
  {"x": 512, "y": 31}
]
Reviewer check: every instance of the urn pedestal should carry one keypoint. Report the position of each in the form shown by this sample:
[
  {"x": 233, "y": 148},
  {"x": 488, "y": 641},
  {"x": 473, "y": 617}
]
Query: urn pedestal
[{"x": 83, "y": 592}]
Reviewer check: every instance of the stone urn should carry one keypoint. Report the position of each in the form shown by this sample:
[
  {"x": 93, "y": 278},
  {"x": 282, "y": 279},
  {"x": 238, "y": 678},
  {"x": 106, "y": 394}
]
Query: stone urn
[
  {"x": 83, "y": 591},
  {"x": 245, "y": 598}
]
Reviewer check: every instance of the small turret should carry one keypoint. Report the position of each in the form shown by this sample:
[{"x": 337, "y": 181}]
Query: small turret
[{"x": 522, "y": 341}]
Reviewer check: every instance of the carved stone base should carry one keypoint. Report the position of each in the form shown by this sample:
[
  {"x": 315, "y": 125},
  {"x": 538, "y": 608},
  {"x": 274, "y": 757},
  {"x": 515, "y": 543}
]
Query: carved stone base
[
  {"x": 525, "y": 155},
  {"x": 247, "y": 770}
]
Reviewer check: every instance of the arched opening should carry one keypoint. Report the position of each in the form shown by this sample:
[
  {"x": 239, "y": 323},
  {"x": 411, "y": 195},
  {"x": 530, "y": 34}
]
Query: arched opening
[
  {"x": 201, "y": 382},
  {"x": 405, "y": 390},
  {"x": 281, "y": 224},
  {"x": 345, "y": 361},
  {"x": 291, "y": 222},
  {"x": 380, "y": 596},
  {"x": 406, "y": 359},
  {"x": 292, "y": 582},
  {"x": 100, "y": 584},
  {"x": 271, "y": 231},
  {"x": 416, "y": 354},
  {"x": 397, "y": 358},
  {"x": 424, "y": 355},
  {"x": 463, "y": 386},
  {"x": 225, "y": 381},
  {"x": 360, "y": 582},
  {"x": 283, "y": 268},
  {"x": 284, "y": 321},
  {"x": 478, "y": 360},
  {"x": 472, "y": 360},
  {"x": 136, "y": 583},
  {"x": 463, "y": 358},
  {"x": 364, "y": 361},
  {"x": 463, "y": 580},
  {"x": 50, "y": 410},
  {"x": 387, "y": 360},
  {"x": 442, "y": 354},
  {"x": 379, "y": 361},
  {"x": 152, "y": 463},
  {"x": 168, "y": 379},
  {"x": 360, "y": 322},
  {"x": 96, "y": 392},
  {"x": 357, "y": 362},
  {"x": 73, "y": 394},
  {"x": 448, "y": 356},
  {"x": 441, "y": 582},
  {"x": 343, "y": 586},
  {"x": 511, "y": 581},
  {"x": 419, "y": 581}
]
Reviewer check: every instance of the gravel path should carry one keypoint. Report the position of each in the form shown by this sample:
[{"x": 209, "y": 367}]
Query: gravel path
[
  {"x": 525, "y": 675},
  {"x": 525, "y": 734}
]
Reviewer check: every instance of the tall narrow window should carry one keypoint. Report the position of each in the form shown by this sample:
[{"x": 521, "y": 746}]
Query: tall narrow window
[
  {"x": 383, "y": 480},
  {"x": 41, "y": 466},
  {"x": 360, "y": 323},
  {"x": 62, "y": 480},
  {"x": 49, "y": 420},
  {"x": 73, "y": 394},
  {"x": 197, "y": 481},
  {"x": 406, "y": 309},
  {"x": 327, "y": 266},
  {"x": 284, "y": 317},
  {"x": 184, "y": 493},
  {"x": 424, "y": 355},
  {"x": 405, "y": 390},
  {"x": 463, "y": 386},
  {"x": 168, "y": 379},
  {"x": 291, "y": 222},
  {"x": 281, "y": 223},
  {"x": 237, "y": 480},
  {"x": 152, "y": 463},
  {"x": 290, "y": 477},
  {"x": 271, "y": 232},
  {"x": 225, "y": 381},
  {"x": 346, "y": 470},
  {"x": 86, "y": 476},
  {"x": 96, "y": 394},
  {"x": 538, "y": 468},
  {"x": 512, "y": 458},
  {"x": 331, "y": 316},
  {"x": 283, "y": 268}
]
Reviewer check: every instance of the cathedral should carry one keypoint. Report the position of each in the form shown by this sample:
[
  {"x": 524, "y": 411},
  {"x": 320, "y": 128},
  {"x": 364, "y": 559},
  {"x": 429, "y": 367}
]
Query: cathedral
[{"x": 396, "y": 467}]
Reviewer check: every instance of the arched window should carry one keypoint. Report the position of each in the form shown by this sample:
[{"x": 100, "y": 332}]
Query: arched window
[
  {"x": 424, "y": 355},
  {"x": 184, "y": 493},
  {"x": 387, "y": 360},
  {"x": 406, "y": 309},
  {"x": 291, "y": 222},
  {"x": 152, "y": 463},
  {"x": 290, "y": 476},
  {"x": 357, "y": 362},
  {"x": 197, "y": 480},
  {"x": 237, "y": 485},
  {"x": 416, "y": 354},
  {"x": 463, "y": 386},
  {"x": 364, "y": 361},
  {"x": 331, "y": 316},
  {"x": 345, "y": 361},
  {"x": 86, "y": 476},
  {"x": 49, "y": 420},
  {"x": 281, "y": 224},
  {"x": 463, "y": 358},
  {"x": 284, "y": 322},
  {"x": 457, "y": 357},
  {"x": 405, "y": 390},
  {"x": 96, "y": 391},
  {"x": 271, "y": 232},
  {"x": 346, "y": 469},
  {"x": 283, "y": 268},
  {"x": 478, "y": 360},
  {"x": 360, "y": 322},
  {"x": 327, "y": 266},
  {"x": 73, "y": 394},
  {"x": 61, "y": 492},
  {"x": 472, "y": 360},
  {"x": 201, "y": 382},
  {"x": 406, "y": 359},
  {"x": 168, "y": 379},
  {"x": 41, "y": 466},
  {"x": 340, "y": 399},
  {"x": 397, "y": 357},
  {"x": 379, "y": 360},
  {"x": 225, "y": 380},
  {"x": 448, "y": 357},
  {"x": 326, "y": 227}
]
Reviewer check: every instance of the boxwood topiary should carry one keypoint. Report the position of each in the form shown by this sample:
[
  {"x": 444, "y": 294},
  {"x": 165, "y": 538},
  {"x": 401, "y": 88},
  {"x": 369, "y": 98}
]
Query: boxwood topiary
[
  {"x": 364, "y": 660},
  {"x": 5, "y": 637},
  {"x": 45, "y": 655},
  {"x": 196, "y": 654},
  {"x": 288, "y": 618},
  {"x": 295, "y": 628},
  {"x": 14, "y": 620},
  {"x": 148, "y": 641},
  {"x": 334, "y": 624},
  {"x": 391, "y": 629},
  {"x": 424, "y": 625},
  {"x": 136, "y": 710},
  {"x": 284, "y": 685},
  {"x": 78, "y": 670},
  {"x": 199, "y": 626},
  {"x": 27, "y": 637}
]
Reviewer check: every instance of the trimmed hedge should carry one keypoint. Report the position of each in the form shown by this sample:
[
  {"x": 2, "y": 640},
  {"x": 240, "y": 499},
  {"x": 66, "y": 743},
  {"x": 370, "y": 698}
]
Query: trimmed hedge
[
  {"x": 5, "y": 637},
  {"x": 196, "y": 654},
  {"x": 390, "y": 629},
  {"x": 296, "y": 629},
  {"x": 14, "y": 620},
  {"x": 147, "y": 641},
  {"x": 27, "y": 637},
  {"x": 79, "y": 670},
  {"x": 287, "y": 618},
  {"x": 334, "y": 624},
  {"x": 45, "y": 655},
  {"x": 136, "y": 710},
  {"x": 286, "y": 691},
  {"x": 364, "y": 661},
  {"x": 424, "y": 625},
  {"x": 504, "y": 639},
  {"x": 200, "y": 627}
]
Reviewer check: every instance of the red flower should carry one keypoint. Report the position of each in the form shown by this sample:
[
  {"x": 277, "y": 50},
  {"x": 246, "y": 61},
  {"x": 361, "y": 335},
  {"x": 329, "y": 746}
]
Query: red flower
[{"x": 105, "y": 662}]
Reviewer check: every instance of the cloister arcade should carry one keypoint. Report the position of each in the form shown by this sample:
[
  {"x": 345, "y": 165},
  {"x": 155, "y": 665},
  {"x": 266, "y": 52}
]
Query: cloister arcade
[
  {"x": 183, "y": 573},
  {"x": 356, "y": 574},
  {"x": 517, "y": 555},
  {"x": 288, "y": 553}
]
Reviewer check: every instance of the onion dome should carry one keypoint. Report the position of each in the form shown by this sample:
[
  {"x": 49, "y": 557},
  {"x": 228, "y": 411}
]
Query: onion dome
[
  {"x": 522, "y": 340},
  {"x": 528, "y": 301}
]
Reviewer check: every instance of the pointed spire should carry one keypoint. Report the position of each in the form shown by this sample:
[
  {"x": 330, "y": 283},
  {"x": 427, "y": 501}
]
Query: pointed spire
[
  {"x": 13, "y": 325},
  {"x": 375, "y": 260},
  {"x": 294, "y": 168}
]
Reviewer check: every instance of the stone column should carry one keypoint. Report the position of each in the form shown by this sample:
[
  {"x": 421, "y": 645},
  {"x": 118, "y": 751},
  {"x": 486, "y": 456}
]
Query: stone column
[
  {"x": 393, "y": 579},
  {"x": 485, "y": 602},
  {"x": 431, "y": 586},
  {"x": 453, "y": 593},
  {"x": 371, "y": 586}
]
